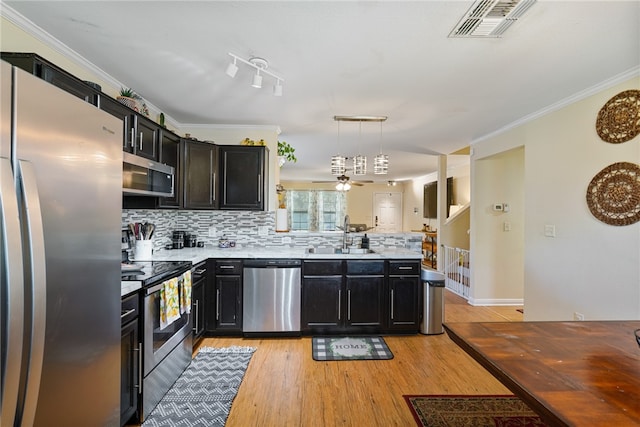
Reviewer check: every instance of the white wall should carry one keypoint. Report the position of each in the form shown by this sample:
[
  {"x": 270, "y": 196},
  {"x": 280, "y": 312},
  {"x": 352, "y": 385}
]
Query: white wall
[
  {"x": 497, "y": 268},
  {"x": 589, "y": 267}
]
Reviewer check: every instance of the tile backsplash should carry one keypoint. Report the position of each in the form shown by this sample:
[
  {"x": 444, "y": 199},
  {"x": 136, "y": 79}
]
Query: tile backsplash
[{"x": 250, "y": 229}]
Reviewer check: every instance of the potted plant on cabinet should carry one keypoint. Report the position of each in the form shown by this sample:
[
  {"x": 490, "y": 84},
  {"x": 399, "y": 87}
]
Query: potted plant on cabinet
[
  {"x": 129, "y": 98},
  {"x": 286, "y": 153}
]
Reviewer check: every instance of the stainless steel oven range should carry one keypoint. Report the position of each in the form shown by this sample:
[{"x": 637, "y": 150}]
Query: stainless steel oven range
[{"x": 166, "y": 351}]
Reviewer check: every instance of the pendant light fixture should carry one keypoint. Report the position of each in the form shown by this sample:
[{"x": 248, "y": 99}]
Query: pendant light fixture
[
  {"x": 359, "y": 161},
  {"x": 338, "y": 162},
  {"x": 380, "y": 161}
]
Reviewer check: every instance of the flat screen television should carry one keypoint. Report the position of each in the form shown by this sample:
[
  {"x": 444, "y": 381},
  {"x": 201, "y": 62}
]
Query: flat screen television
[{"x": 430, "y": 208}]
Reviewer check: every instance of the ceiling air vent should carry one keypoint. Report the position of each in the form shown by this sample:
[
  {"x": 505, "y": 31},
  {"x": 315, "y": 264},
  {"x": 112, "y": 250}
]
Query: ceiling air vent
[{"x": 490, "y": 18}]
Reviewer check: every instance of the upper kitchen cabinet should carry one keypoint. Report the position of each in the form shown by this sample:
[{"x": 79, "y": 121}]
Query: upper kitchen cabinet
[
  {"x": 141, "y": 134},
  {"x": 243, "y": 171},
  {"x": 53, "y": 74},
  {"x": 170, "y": 155},
  {"x": 125, "y": 114},
  {"x": 199, "y": 175}
]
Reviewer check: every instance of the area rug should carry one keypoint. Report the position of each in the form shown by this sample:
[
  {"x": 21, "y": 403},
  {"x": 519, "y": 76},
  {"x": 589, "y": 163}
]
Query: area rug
[
  {"x": 350, "y": 348},
  {"x": 203, "y": 394},
  {"x": 477, "y": 411}
]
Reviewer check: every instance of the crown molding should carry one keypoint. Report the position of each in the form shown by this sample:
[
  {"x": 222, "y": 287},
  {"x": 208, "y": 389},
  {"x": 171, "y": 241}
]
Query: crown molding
[
  {"x": 272, "y": 128},
  {"x": 606, "y": 84}
]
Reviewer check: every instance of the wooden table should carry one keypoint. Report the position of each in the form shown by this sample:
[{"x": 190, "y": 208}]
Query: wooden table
[{"x": 570, "y": 373}]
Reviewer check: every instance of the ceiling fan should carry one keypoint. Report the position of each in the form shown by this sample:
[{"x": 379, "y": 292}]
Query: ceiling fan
[{"x": 343, "y": 179}]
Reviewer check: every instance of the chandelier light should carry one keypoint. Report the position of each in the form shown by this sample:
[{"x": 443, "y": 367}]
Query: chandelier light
[
  {"x": 260, "y": 65},
  {"x": 338, "y": 162},
  {"x": 380, "y": 162}
]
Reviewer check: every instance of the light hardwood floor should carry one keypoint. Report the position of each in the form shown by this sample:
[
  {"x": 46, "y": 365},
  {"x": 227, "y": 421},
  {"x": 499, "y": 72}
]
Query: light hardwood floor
[{"x": 284, "y": 386}]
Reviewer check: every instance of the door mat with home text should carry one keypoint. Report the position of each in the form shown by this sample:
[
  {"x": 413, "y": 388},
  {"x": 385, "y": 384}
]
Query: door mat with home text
[{"x": 350, "y": 348}]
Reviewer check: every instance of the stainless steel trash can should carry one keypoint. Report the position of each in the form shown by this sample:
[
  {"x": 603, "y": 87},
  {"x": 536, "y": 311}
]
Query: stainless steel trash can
[{"x": 433, "y": 304}]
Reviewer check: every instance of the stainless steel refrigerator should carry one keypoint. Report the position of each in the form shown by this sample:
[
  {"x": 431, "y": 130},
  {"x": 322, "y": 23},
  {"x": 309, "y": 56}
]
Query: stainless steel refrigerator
[{"x": 60, "y": 200}]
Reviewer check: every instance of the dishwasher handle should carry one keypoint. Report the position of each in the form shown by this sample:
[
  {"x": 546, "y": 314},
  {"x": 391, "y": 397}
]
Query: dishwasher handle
[{"x": 272, "y": 263}]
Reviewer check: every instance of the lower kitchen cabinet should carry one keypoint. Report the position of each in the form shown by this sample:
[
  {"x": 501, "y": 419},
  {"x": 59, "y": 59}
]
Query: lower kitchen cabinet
[
  {"x": 198, "y": 307},
  {"x": 360, "y": 296},
  {"x": 322, "y": 304},
  {"x": 224, "y": 298},
  {"x": 405, "y": 297},
  {"x": 129, "y": 359},
  {"x": 364, "y": 282}
]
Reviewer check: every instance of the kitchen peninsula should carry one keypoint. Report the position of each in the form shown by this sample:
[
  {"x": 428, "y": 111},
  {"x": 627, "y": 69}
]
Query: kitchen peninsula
[{"x": 328, "y": 293}]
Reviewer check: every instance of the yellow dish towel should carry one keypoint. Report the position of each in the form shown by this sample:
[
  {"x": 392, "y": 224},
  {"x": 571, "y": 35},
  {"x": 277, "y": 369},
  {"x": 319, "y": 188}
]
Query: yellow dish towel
[
  {"x": 169, "y": 303},
  {"x": 185, "y": 292}
]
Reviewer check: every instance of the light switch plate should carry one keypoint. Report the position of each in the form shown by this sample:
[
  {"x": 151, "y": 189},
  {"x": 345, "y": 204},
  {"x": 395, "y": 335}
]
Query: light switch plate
[{"x": 550, "y": 230}]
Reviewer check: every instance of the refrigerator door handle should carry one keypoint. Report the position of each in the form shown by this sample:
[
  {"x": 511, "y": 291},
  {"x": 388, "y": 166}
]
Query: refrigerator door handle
[
  {"x": 36, "y": 250},
  {"x": 13, "y": 280}
]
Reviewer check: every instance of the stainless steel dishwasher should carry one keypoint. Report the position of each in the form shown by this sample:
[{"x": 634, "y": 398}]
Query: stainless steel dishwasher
[{"x": 271, "y": 296}]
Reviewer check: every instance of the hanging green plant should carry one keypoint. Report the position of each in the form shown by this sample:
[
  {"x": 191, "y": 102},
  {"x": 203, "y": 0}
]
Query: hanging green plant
[{"x": 287, "y": 151}]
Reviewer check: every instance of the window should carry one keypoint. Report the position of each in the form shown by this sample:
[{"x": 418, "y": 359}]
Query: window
[{"x": 315, "y": 210}]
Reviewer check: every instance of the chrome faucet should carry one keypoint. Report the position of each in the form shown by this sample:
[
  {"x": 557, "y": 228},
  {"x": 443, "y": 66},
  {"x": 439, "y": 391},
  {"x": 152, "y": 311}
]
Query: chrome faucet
[{"x": 345, "y": 230}]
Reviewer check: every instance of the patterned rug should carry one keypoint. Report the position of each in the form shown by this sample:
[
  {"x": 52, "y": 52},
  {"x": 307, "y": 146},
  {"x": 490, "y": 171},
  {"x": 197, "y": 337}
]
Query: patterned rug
[
  {"x": 350, "y": 348},
  {"x": 476, "y": 411},
  {"x": 203, "y": 394}
]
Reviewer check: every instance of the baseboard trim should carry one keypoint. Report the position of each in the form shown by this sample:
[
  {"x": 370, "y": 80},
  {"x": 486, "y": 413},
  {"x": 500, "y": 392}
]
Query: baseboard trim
[{"x": 481, "y": 301}]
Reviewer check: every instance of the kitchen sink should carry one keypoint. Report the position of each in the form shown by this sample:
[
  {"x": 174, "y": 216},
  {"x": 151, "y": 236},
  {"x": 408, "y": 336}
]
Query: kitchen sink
[{"x": 360, "y": 251}]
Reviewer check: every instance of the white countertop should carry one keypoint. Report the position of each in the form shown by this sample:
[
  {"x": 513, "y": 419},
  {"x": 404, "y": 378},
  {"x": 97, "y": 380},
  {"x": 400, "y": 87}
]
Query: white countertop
[{"x": 196, "y": 255}]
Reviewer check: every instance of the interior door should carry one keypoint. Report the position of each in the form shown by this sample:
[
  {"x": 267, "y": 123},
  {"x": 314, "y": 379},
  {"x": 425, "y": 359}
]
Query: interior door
[{"x": 387, "y": 212}]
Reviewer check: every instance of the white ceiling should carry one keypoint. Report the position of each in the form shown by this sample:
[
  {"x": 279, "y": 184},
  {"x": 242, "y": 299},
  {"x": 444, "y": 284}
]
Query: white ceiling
[{"x": 389, "y": 58}]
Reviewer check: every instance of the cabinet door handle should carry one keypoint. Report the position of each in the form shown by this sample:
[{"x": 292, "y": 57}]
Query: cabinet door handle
[
  {"x": 339, "y": 304},
  {"x": 259, "y": 188},
  {"x": 139, "y": 350},
  {"x": 404, "y": 268},
  {"x": 213, "y": 188},
  {"x": 195, "y": 328},
  {"x": 217, "y": 304},
  {"x": 391, "y": 304},
  {"x": 128, "y": 312},
  {"x": 225, "y": 266},
  {"x": 141, "y": 138},
  {"x": 349, "y": 305},
  {"x": 133, "y": 137},
  {"x": 126, "y": 126}
]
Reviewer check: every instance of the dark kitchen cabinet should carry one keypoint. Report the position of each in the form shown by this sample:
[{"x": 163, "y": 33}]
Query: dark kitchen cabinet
[
  {"x": 405, "y": 296},
  {"x": 365, "y": 292},
  {"x": 199, "y": 175},
  {"x": 322, "y": 304},
  {"x": 125, "y": 114},
  {"x": 224, "y": 298},
  {"x": 145, "y": 137},
  {"x": 40, "y": 67},
  {"x": 140, "y": 134},
  {"x": 243, "y": 177},
  {"x": 130, "y": 359},
  {"x": 198, "y": 306},
  {"x": 342, "y": 297},
  {"x": 170, "y": 155}
]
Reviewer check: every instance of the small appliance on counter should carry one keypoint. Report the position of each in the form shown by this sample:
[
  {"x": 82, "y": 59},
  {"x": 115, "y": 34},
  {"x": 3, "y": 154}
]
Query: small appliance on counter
[{"x": 177, "y": 240}]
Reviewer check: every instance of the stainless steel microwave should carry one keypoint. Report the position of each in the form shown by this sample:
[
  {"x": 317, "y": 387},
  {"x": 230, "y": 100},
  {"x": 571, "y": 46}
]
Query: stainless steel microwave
[{"x": 142, "y": 177}]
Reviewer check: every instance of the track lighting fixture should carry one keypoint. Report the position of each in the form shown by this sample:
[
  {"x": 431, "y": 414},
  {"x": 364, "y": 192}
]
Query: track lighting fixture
[{"x": 260, "y": 65}]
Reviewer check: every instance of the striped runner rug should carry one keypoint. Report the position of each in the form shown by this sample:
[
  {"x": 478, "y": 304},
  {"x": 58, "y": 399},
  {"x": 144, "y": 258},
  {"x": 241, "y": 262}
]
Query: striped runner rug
[{"x": 203, "y": 394}]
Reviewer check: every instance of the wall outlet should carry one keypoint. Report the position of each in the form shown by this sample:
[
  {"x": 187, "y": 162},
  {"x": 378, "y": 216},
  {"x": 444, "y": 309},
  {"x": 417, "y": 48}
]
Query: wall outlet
[
  {"x": 506, "y": 226},
  {"x": 286, "y": 240},
  {"x": 212, "y": 232},
  {"x": 263, "y": 230},
  {"x": 578, "y": 316}
]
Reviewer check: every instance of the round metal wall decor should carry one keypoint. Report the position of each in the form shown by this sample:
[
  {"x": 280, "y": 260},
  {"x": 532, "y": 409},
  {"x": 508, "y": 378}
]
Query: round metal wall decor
[
  {"x": 619, "y": 120},
  {"x": 613, "y": 195}
]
